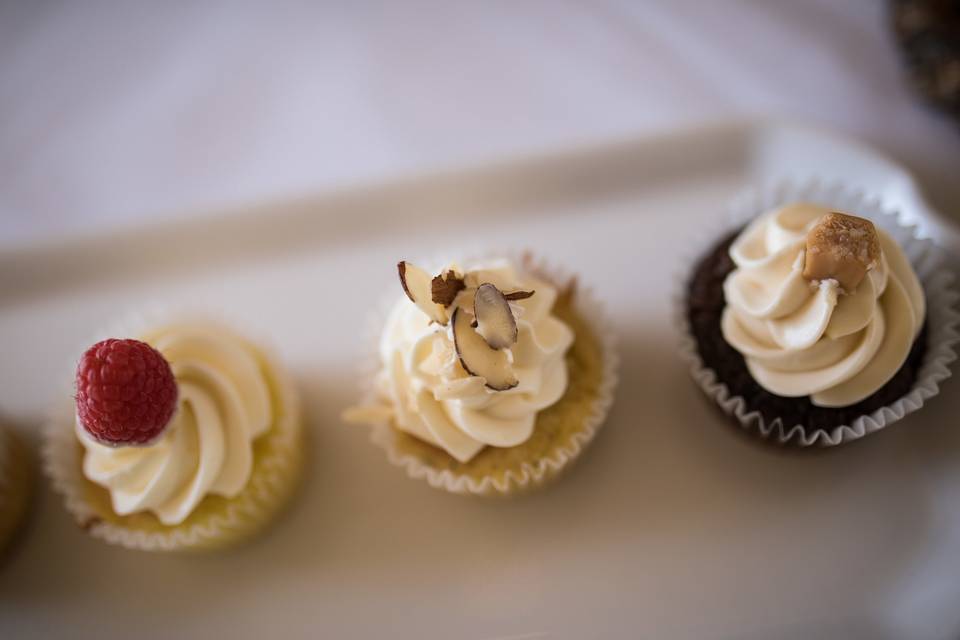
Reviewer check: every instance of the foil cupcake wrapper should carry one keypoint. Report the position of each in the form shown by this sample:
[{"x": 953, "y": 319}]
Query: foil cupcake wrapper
[
  {"x": 269, "y": 489},
  {"x": 930, "y": 264},
  {"x": 532, "y": 473}
]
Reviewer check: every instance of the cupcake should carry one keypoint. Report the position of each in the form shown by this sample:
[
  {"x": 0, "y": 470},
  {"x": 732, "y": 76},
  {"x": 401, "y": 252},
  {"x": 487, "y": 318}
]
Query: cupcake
[
  {"x": 15, "y": 484},
  {"x": 187, "y": 437},
  {"x": 811, "y": 325},
  {"x": 492, "y": 378}
]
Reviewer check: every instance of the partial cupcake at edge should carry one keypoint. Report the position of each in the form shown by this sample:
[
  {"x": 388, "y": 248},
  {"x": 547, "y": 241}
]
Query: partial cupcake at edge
[
  {"x": 492, "y": 376},
  {"x": 810, "y": 325},
  {"x": 16, "y": 485},
  {"x": 187, "y": 437}
]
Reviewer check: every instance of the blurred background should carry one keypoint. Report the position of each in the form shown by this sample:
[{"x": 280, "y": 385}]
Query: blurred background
[
  {"x": 125, "y": 115},
  {"x": 115, "y": 113}
]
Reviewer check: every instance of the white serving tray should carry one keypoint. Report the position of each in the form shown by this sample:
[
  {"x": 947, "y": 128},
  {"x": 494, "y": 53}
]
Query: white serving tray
[{"x": 672, "y": 525}]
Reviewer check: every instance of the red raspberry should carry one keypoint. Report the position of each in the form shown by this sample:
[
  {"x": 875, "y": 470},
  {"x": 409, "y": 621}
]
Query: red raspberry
[{"x": 126, "y": 393}]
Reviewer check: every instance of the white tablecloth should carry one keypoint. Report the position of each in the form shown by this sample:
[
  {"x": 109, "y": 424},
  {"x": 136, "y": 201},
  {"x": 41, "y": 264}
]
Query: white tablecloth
[{"x": 114, "y": 113}]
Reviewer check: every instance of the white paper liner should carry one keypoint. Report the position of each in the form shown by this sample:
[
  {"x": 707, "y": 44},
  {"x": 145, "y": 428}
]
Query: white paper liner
[
  {"x": 532, "y": 473},
  {"x": 269, "y": 488},
  {"x": 930, "y": 264}
]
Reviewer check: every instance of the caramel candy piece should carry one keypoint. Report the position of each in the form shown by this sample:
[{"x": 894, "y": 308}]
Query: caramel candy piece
[{"x": 841, "y": 247}]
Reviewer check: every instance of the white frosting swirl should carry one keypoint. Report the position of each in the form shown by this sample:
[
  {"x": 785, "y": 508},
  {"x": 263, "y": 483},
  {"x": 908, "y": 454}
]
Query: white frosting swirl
[
  {"x": 803, "y": 338},
  {"x": 432, "y": 396},
  {"x": 224, "y": 404}
]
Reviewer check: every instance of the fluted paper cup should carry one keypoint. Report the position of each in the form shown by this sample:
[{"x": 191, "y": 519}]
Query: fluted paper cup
[
  {"x": 217, "y": 521},
  {"x": 929, "y": 263},
  {"x": 562, "y": 431}
]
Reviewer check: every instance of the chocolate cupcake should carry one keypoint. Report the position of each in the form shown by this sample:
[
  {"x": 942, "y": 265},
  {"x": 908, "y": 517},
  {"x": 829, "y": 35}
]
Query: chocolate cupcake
[{"x": 819, "y": 321}]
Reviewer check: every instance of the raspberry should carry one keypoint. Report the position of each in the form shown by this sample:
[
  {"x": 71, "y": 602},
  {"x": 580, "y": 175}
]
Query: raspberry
[{"x": 126, "y": 393}]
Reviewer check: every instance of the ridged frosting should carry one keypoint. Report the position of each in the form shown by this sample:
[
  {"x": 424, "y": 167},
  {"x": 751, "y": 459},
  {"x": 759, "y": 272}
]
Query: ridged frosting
[
  {"x": 433, "y": 398},
  {"x": 207, "y": 449},
  {"x": 811, "y": 338}
]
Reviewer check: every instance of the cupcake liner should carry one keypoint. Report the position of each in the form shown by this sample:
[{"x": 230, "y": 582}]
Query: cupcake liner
[
  {"x": 589, "y": 409},
  {"x": 217, "y": 522},
  {"x": 930, "y": 263},
  {"x": 16, "y": 484}
]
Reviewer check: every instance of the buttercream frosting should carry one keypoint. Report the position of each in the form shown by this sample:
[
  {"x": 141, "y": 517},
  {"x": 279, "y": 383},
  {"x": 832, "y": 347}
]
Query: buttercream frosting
[
  {"x": 224, "y": 404},
  {"x": 433, "y": 398},
  {"x": 811, "y": 338}
]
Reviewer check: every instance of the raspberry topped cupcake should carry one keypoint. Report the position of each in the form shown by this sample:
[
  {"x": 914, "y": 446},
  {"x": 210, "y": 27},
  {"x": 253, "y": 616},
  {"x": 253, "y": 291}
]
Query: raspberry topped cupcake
[
  {"x": 811, "y": 325},
  {"x": 187, "y": 437},
  {"x": 491, "y": 378}
]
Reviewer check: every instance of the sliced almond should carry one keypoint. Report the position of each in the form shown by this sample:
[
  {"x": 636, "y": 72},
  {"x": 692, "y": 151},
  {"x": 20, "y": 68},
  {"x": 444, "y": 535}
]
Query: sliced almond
[
  {"x": 445, "y": 287},
  {"x": 518, "y": 295},
  {"x": 495, "y": 321},
  {"x": 477, "y": 358},
  {"x": 417, "y": 285}
]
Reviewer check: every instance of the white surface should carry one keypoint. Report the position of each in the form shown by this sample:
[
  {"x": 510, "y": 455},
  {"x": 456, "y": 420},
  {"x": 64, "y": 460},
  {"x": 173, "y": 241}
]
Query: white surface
[
  {"x": 118, "y": 112},
  {"x": 671, "y": 526}
]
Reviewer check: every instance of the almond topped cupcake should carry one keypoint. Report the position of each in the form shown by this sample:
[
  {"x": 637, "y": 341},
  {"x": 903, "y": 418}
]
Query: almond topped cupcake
[
  {"x": 187, "y": 437},
  {"x": 811, "y": 325},
  {"x": 491, "y": 377}
]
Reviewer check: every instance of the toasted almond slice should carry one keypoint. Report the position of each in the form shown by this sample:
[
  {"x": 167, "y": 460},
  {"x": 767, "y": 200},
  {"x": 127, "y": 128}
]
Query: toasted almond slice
[
  {"x": 445, "y": 287},
  {"x": 417, "y": 285},
  {"x": 494, "y": 318},
  {"x": 477, "y": 358}
]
